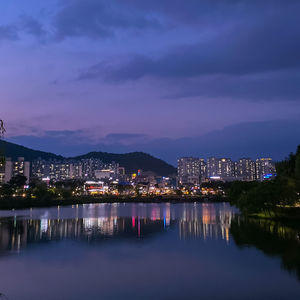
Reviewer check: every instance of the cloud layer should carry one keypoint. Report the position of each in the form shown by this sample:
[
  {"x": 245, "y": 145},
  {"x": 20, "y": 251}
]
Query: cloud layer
[
  {"x": 274, "y": 139},
  {"x": 141, "y": 70}
]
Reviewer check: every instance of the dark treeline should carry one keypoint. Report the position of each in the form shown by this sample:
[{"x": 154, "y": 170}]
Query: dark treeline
[{"x": 272, "y": 197}]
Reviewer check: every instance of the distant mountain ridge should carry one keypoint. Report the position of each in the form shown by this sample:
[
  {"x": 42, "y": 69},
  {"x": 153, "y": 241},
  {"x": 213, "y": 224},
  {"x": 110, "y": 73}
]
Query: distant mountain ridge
[
  {"x": 133, "y": 161},
  {"x": 130, "y": 161},
  {"x": 14, "y": 151}
]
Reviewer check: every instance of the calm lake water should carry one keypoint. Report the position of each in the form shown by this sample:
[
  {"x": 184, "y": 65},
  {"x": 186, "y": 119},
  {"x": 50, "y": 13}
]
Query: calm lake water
[{"x": 146, "y": 251}]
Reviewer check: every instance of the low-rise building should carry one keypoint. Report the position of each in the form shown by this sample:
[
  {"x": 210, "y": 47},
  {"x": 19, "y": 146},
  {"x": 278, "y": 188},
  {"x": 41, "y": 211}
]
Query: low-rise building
[
  {"x": 2, "y": 172},
  {"x": 86, "y": 169}
]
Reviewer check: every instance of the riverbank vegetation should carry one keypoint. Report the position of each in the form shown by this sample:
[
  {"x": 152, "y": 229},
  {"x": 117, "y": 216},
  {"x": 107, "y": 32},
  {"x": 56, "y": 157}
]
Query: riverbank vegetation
[{"x": 276, "y": 198}]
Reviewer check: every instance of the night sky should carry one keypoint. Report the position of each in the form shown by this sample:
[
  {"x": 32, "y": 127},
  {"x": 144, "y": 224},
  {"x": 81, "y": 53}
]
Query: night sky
[{"x": 169, "y": 77}]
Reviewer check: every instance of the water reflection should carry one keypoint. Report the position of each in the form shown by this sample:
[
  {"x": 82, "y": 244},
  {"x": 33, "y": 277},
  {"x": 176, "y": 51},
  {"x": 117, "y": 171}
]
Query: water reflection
[
  {"x": 102, "y": 222},
  {"x": 146, "y": 251},
  {"x": 107, "y": 222},
  {"x": 213, "y": 222},
  {"x": 273, "y": 238}
]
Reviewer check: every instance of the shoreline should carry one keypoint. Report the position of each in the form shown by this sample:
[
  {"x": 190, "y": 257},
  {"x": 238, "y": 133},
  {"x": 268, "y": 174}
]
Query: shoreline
[
  {"x": 25, "y": 203},
  {"x": 284, "y": 214}
]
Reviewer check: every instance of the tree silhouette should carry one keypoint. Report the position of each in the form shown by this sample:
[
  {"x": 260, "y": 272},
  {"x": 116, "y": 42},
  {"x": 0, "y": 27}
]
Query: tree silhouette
[
  {"x": 2, "y": 131},
  {"x": 297, "y": 163},
  {"x": 2, "y": 128},
  {"x": 18, "y": 181}
]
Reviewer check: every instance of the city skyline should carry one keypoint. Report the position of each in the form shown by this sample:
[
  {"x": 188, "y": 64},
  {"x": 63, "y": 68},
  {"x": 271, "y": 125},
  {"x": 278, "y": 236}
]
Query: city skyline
[
  {"x": 190, "y": 170},
  {"x": 147, "y": 76}
]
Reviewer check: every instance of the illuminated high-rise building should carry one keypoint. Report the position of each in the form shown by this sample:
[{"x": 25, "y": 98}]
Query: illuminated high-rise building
[
  {"x": 265, "y": 169},
  {"x": 212, "y": 167},
  {"x": 245, "y": 169},
  {"x": 226, "y": 168},
  {"x": 220, "y": 167},
  {"x": 190, "y": 170}
]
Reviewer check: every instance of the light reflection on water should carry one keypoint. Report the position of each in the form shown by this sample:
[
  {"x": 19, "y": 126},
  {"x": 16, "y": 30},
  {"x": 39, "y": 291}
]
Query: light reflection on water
[
  {"x": 99, "y": 221},
  {"x": 146, "y": 251}
]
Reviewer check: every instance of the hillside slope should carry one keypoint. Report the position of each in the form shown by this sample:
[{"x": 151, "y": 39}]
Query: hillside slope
[
  {"x": 130, "y": 161},
  {"x": 134, "y": 161},
  {"x": 13, "y": 150}
]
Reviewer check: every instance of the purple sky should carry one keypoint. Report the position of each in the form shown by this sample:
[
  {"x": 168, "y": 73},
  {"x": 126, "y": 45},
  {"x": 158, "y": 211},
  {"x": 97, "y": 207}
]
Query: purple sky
[{"x": 110, "y": 74}]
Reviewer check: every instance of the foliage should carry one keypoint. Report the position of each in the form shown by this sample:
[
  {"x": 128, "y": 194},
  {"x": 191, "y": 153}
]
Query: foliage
[
  {"x": 18, "y": 181},
  {"x": 6, "y": 190},
  {"x": 67, "y": 188},
  {"x": 14, "y": 186},
  {"x": 286, "y": 168},
  {"x": 290, "y": 167},
  {"x": 297, "y": 163},
  {"x": 178, "y": 192},
  {"x": 124, "y": 189},
  {"x": 41, "y": 191},
  {"x": 265, "y": 196},
  {"x": 269, "y": 196},
  {"x": 215, "y": 184},
  {"x": 69, "y": 184},
  {"x": 66, "y": 194},
  {"x": 238, "y": 188}
]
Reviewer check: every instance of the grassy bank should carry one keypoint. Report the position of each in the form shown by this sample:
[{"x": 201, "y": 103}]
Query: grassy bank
[
  {"x": 286, "y": 214},
  {"x": 23, "y": 203}
]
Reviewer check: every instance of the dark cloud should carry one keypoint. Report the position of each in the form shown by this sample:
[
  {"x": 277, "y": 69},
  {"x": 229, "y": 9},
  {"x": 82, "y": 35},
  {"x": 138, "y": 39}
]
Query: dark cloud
[
  {"x": 256, "y": 57},
  {"x": 237, "y": 49},
  {"x": 100, "y": 18},
  {"x": 247, "y": 50},
  {"x": 33, "y": 27},
  {"x": 26, "y": 24},
  {"x": 278, "y": 86},
  {"x": 212, "y": 13},
  {"x": 8, "y": 32},
  {"x": 97, "y": 19}
]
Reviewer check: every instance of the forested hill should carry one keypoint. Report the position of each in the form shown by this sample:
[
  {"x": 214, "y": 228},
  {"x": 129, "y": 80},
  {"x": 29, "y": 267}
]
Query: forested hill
[
  {"x": 130, "y": 161},
  {"x": 134, "y": 161},
  {"x": 12, "y": 150}
]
